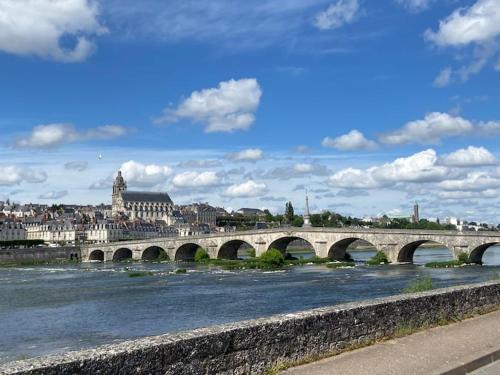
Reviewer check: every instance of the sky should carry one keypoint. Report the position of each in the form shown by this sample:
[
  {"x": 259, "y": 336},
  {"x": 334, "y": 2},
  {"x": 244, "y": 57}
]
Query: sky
[{"x": 368, "y": 105}]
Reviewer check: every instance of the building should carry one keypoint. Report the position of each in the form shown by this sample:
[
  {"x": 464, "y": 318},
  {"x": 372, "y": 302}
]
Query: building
[
  {"x": 141, "y": 205},
  {"x": 10, "y": 231},
  {"x": 200, "y": 213},
  {"x": 416, "y": 214},
  {"x": 251, "y": 212}
]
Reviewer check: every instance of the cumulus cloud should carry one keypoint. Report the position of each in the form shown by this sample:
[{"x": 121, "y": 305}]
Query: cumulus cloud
[
  {"x": 229, "y": 107},
  {"x": 430, "y": 130},
  {"x": 11, "y": 175},
  {"x": 415, "y": 5},
  {"x": 55, "y": 135},
  {"x": 469, "y": 157},
  {"x": 138, "y": 174},
  {"x": 474, "y": 181},
  {"x": 78, "y": 166},
  {"x": 476, "y": 24},
  {"x": 444, "y": 77},
  {"x": 337, "y": 15},
  {"x": 196, "y": 179},
  {"x": 52, "y": 195},
  {"x": 246, "y": 190},
  {"x": 418, "y": 168},
  {"x": 43, "y": 27},
  {"x": 250, "y": 154},
  {"x": 354, "y": 140}
]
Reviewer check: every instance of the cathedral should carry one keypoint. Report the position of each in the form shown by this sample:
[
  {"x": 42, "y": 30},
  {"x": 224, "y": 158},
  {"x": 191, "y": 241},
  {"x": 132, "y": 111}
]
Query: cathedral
[{"x": 146, "y": 206}]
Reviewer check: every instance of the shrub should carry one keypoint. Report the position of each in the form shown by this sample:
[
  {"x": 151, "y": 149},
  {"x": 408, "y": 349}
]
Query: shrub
[
  {"x": 251, "y": 253},
  {"x": 201, "y": 255},
  {"x": 464, "y": 258},
  {"x": 272, "y": 258},
  {"x": 378, "y": 258},
  {"x": 446, "y": 264},
  {"x": 419, "y": 285},
  {"x": 179, "y": 271}
]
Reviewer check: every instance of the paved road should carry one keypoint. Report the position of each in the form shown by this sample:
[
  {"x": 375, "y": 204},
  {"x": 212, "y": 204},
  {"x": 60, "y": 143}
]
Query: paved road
[{"x": 434, "y": 351}]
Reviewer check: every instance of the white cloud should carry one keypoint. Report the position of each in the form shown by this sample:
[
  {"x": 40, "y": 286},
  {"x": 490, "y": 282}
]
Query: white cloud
[
  {"x": 354, "y": 140},
  {"x": 337, "y": 15},
  {"x": 246, "y": 190},
  {"x": 137, "y": 174},
  {"x": 52, "y": 195},
  {"x": 418, "y": 168},
  {"x": 431, "y": 130},
  {"x": 78, "y": 166},
  {"x": 229, "y": 107},
  {"x": 474, "y": 181},
  {"x": 469, "y": 157},
  {"x": 444, "y": 77},
  {"x": 415, "y": 5},
  {"x": 196, "y": 179},
  {"x": 250, "y": 154},
  {"x": 12, "y": 175},
  {"x": 55, "y": 135},
  {"x": 479, "y": 23},
  {"x": 38, "y": 27}
]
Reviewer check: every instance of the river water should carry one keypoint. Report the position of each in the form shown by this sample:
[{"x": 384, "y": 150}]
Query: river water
[{"x": 53, "y": 309}]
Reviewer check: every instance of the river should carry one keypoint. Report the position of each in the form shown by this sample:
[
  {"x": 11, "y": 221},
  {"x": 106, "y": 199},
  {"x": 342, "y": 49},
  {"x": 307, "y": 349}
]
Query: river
[{"x": 53, "y": 309}]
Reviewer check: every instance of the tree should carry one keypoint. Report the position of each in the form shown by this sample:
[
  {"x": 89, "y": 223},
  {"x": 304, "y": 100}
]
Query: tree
[
  {"x": 289, "y": 213},
  {"x": 297, "y": 221}
]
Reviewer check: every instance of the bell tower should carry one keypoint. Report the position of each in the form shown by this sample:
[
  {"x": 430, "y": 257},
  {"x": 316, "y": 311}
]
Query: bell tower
[{"x": 119, "y": 186}]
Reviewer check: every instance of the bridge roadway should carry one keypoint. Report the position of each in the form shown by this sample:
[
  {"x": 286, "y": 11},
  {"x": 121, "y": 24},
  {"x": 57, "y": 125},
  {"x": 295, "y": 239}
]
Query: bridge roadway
[{"x": 398, "y": 245}]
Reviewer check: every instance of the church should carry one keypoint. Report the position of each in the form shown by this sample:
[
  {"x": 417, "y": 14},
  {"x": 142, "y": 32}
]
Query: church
[{"x": 147, "y": 206}]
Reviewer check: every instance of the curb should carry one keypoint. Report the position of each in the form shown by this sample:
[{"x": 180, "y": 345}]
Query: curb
[{"x": 475, "y": 364}]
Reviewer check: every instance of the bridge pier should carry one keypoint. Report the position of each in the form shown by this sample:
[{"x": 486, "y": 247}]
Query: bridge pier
[{"x": 391, "y": 250}]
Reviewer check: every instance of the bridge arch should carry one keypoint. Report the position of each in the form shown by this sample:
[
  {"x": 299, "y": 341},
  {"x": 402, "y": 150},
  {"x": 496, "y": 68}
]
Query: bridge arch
[
  {"x": 154, "y": 253},
  {"x": 476, "y": 255},
  {"x": 282, "y": 243},
  {"x": 406, "y": 253},
  {"x": 229, "y": 250},
  {"x": 122, "y": 254},
  {"x": 97, "y": 255},
  {"x": 338, "y": 251},
  {"x": 186, "y": 252}
]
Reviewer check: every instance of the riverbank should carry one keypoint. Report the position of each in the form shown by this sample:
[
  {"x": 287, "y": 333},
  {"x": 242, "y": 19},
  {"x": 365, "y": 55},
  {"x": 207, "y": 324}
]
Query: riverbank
[
  {"x": 39, "y": 256},
  {"x": 254, "y": 347}
]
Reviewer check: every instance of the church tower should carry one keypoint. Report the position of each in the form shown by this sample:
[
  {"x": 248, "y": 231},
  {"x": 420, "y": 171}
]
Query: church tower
[{"x": 119, "y": 186}]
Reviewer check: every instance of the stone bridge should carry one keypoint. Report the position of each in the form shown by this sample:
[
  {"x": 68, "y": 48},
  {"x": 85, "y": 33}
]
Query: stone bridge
[{"x": 398, "y": 245}]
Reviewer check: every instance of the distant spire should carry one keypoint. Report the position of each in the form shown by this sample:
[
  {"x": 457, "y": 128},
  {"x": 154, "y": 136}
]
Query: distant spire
[{"x": 307, "y": 214}]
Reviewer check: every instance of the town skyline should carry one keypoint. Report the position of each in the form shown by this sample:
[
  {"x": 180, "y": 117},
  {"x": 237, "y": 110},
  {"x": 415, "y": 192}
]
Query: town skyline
[{"x": 250, "y": 113}]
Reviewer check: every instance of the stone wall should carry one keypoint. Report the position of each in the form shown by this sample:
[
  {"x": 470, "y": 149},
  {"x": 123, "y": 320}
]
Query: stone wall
[
  {"x": 253, "y": 346},
  {"x": 39, "y": 254}
]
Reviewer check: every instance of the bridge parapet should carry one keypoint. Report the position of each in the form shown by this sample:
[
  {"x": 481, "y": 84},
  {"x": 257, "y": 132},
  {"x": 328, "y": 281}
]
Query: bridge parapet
[{"x": 398, "y": 245}]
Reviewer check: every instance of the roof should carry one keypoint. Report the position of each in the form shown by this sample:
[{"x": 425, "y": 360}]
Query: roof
[{"x": 140, "y": 196}]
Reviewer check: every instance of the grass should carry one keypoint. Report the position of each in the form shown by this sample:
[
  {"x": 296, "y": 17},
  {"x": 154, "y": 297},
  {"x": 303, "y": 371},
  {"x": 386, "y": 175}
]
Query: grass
[
  {"x": 341, "y": 264},
  {"x": 419, "y": 285},
  {"x": 445, "y": 264},
  {"x": 378, "y": 258},
  {"x": 140, "y": 274}
]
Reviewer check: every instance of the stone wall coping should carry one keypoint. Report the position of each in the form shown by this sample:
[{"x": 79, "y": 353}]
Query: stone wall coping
[{"x": 130, "y": 346}]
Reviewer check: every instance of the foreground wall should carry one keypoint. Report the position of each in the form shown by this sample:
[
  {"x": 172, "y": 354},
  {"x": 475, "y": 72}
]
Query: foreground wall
[
  {"x": 253, "y": 346},
  {"x": 39, "y": 254}
]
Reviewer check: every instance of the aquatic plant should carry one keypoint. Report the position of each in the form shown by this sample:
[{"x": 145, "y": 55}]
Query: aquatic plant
[{"x": 419, "y": 285}]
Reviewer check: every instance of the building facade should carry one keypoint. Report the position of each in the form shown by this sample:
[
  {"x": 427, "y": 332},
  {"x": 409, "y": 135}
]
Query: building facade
[{"x": 141, "y": 205}]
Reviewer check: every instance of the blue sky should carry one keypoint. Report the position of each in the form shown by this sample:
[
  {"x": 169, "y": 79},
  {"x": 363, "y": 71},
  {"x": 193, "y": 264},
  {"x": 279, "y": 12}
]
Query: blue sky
[{"x": 370, "y": 105}]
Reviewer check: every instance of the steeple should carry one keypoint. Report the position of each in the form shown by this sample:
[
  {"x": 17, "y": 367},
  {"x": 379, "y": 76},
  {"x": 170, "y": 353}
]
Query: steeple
[{"x": 307, "y": 214}]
